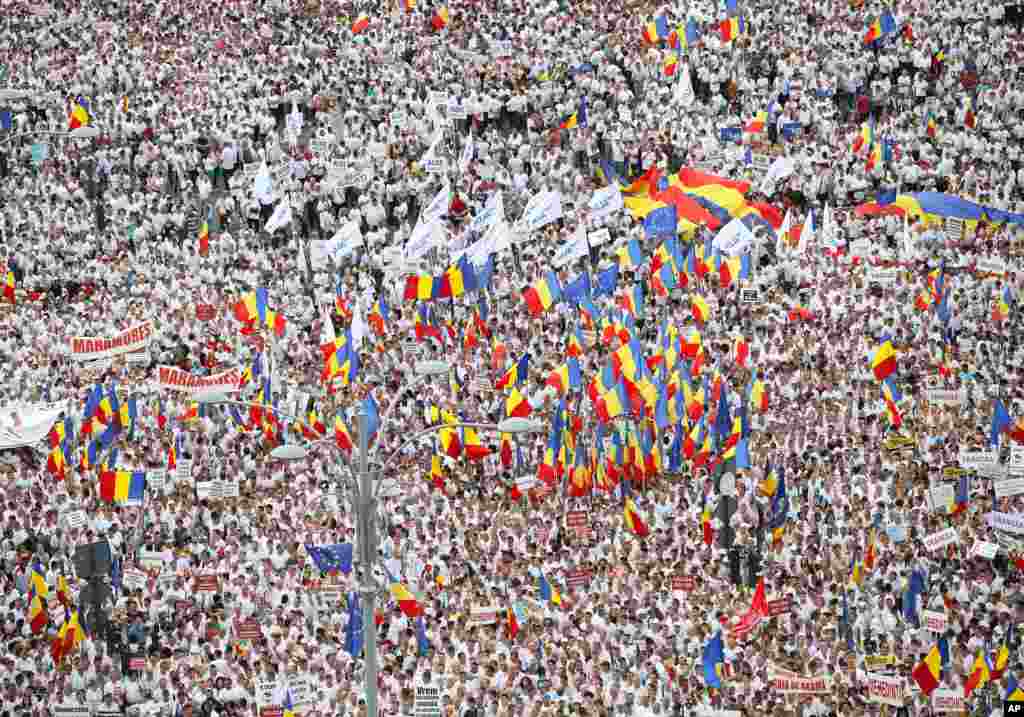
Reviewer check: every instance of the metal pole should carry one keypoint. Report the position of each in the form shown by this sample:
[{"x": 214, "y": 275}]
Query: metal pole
[{"x": 366, "y": 516}]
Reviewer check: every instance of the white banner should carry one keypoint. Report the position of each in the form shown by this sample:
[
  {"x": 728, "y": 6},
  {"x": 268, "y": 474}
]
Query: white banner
[
  {"x": 438, "y": 206},
  {"x": 974, "y": 459},
  {"x": 605, "y": 202},
  {"x": 486, "y": 217},
  {"x": 939, "y": 540},
  {"x": 89, "y": 348},
  {"x": 1009, "y": 487},
  {"x": 174, "y": 379},
  {"x": 424, "y": 237},
  {"x": 733, "y": 239},
  {"x": 942, "y": 497},
  {"x": 887, "y": 690},
  {"x": 573, "y": 249},
  {"x": 779, "y": 169},
  {"x": 944, "y": 700},
  {"x": 346, "y": 240},
  {"x": 790, "y": 684},
  {"x": 541, "y": 210},
  {"x": 1009, "y": 522},
  {"x": 483, "y": 615}
]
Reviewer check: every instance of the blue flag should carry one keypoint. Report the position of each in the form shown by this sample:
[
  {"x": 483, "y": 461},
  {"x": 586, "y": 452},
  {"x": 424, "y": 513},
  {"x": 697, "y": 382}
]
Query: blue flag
[
  {"x": 372, "y": 417},
  {"x": 714, "y": 655},
  {"x": 421, "y": 637},
  {"x": 331, "y": 557},
  {"x": 607, "y": 281},
  {"x": 354, "y": 629},
  {"x": 578, "y": 289}
]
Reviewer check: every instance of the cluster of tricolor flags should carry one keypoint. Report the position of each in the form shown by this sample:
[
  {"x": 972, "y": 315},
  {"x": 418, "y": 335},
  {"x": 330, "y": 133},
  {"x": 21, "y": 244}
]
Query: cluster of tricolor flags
[
  {"x": 877, "y": 150},
  {"x": 986, "y": 668},
  {"x": 105, "y": 418},
  {"x": 439, "y": 20},
  {"x": 37, "y": 593}
]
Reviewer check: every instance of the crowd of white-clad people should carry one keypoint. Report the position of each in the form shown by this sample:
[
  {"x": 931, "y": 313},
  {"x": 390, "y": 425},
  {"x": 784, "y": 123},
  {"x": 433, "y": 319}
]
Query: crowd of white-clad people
[{"x": 751, "y": 270}]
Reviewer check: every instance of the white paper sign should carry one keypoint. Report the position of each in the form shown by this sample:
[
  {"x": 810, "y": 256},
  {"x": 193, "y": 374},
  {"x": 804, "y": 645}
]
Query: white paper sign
[
  {"x": 974, "y": 459},
  {"x": 935, "y": 621},
  {"x": 483, "y": 615},
  {"x": 944, "y": 700},
  {"x": 605, "y": 202},
  {"x": 75, "y": 519},
  {"x": 183, "y": 470},
  {"x": 429, "y": 701},
  {"x": 985, "y": 549},
  {"x": 942, "y": 496},
  {"x": 1008, "y": 522},
  {"x": 940, "y": 539},
  {"x": 156, "y": 479},
  {"x": 887, "y": 690},
  {"x": 574, "y": 248},
  {"x": 1009, "y": 487},
  {"x": 600, "y": 236}
]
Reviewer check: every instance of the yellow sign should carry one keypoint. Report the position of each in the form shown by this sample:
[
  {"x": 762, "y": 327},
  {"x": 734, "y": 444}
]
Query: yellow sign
[{"x": 878, "y": 662}]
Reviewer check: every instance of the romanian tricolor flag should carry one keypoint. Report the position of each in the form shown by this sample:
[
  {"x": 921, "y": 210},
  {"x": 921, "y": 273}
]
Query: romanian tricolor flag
[
  {"x": 342, "y": 438},
  {"x": 548, "y": 593},
  {"x": 406, "y": 600},
  {"x": 731, "y": 28},
  {"x": 979, "y": 676},
  {"x": 1014, "y": 693},
  {"x": 866, "y": 137},
  {"x": 632, "y": 518},
  {"x": 79, "y": 116},
  {"x": 927, "y": 673},
  {"x": 930, "y": 127},
  {"x": 9, "y": 287},
  {"x": 516, "y": 405},
  {"x": 513, "y": 623},
  {"x": 574, "y": 344},
  {"x": 670, "y": 64},
  {"x": 566, "y": 376},
  {"x": 970, "y": 120},
  {"x": 122, "y": 486},
  {"x": 705, "y": 522},
  {"x": 757, "y": 125},
  {"x": 362, "y": 22},
  {"x": 655, "y": 31},
  {"x": 883, "y": 359},
  {"x": 883, "y": 25},
  {"x": 1001, "y": 307},
  {"x": 891, "y": 395},
  {"x": 515, "y": 375},
  {"x": 37, "y": 616},
  {"x": 1002, "y": 656},
  {"x": 204, "y": 237},
  {"x": 543, "y": 295},
  {"x": 440, "y": 19},
  {"x": 701, "y": 312},
  {"x": 409, "y": 5},
  {"x": 475, "y": 450}
]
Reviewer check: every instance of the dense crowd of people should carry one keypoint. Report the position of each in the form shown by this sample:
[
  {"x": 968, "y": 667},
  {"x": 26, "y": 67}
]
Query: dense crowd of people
[{"x": 751, "y": 271}]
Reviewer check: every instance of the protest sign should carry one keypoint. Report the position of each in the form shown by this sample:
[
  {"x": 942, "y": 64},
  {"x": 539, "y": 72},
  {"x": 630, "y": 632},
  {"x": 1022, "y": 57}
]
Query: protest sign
[
  {"x": 90, "y": 348},
  {"x": 428, "y": 702},
  {"x": 174, "y": 379},
  {"x": 788, "y": 683},
  {"x": 935, "y": 621},
  {"x": 887, "y": 690},
  {"x": 945, "y": 700},
  {"x": 940, "y": 539}
]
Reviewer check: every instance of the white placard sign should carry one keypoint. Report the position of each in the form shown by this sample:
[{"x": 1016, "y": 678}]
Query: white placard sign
[
  {"x": 428, "y": 702},
  {"x": 991, "y": 266},
  {"x": 1017, "y": 457},
  {"x": 133, "y": 579},
  {"x": 1008, "y": 522},
  {"x": 985, "y": 549},
  {"x": 1009, "y": 487},
  {"x": 944, "y": 700},
  {"x": 183, "y": 469},
  {"x": 940, "y": 539},
  {"x": 885, "y": 277},
  {"x": 599, "y": 237},
  {"x": 156, "y": 479},
  {"x": 749, "y": 296},
  {"x": 483, "y": 615},
  {"x": 975, "y": 459},
  {"x": 75, "y": 519},
  {"x": 887, "y": 690},
  {"x": 71, "y": 711},
  {"x": 935, "y": 621},
  {"x": 942, "y": 496},
  {"x": 942, "y": 396}
]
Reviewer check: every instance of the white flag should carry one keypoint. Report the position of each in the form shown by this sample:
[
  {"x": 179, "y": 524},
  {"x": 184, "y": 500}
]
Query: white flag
[
  {"x": 281, "y": 217},
  {"x": 807, "y": 233},
  {"x": 359, "y": 327},
  {"x": 438, "y": 206},
  {"x": 327, "y": 334},
  {"x": 573, "y": 249},
  {"x": 782, "y": 244},
  {"x": 684, "y": 86},
  {"x": 492, "y": 212},
  {"x": 467, "y": 153}
]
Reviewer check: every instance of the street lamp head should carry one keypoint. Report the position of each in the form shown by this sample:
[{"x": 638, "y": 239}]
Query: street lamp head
[
  {"x": 432, "y": 368},
  {"x": 520, "y": 425},
  {"x": 289, "y": 452},
  {"x": 210, "y": 398}
]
